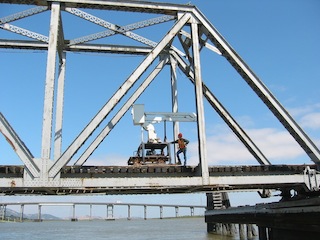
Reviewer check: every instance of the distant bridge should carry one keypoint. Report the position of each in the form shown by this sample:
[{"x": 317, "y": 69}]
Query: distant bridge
[{"x": 110, "y": 215}]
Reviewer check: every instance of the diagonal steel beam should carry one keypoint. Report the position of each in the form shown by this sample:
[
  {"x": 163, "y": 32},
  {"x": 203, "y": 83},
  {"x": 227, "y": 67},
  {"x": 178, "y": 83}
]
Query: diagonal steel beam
[
  {"x": 113, "y": 101},
  {"x": 19, "y": 147},
  {"x": 25, "y": 32},
  {"x": 23, "y": 14}
]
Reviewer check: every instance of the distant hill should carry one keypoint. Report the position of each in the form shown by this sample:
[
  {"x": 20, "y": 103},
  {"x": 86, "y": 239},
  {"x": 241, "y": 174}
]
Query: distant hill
[{"x": 14, "y": 214}]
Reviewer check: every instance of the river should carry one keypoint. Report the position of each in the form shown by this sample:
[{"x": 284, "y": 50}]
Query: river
[{"x": 119, "y": 229}]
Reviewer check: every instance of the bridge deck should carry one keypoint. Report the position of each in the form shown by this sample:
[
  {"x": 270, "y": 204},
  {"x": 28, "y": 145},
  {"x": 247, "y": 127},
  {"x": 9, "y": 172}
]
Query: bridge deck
[
  {"x": 154, "y": 179},
  {"x": 161, "y": 170}
]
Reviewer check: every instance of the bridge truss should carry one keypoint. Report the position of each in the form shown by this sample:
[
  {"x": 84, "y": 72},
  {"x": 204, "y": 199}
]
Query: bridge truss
[{"x": 180, "y": 48}]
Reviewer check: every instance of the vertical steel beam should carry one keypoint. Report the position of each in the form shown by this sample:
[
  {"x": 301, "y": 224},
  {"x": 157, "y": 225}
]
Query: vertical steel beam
[
  {"x": 50, "y": 79},
  {"x": 39, "y": 213},
  {"x": 199, "y": 103},
  {"x": 90, "y": 217},
  {"x": 177, "y": 211},
  {"x": 59, "y": 108},
  {"x": 161, "y": 212},
  {"x": 129, "y": 212},
  {"x": 73, "y": 212},
  {"x": 145, "y": 212},
  {"x": 21, "y": 212},
  {"x": 174, "y": 97}
]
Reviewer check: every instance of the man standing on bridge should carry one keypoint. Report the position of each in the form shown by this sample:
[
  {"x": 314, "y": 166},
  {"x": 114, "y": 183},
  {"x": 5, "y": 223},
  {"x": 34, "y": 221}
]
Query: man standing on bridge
[{"x": 182, "y": 144}]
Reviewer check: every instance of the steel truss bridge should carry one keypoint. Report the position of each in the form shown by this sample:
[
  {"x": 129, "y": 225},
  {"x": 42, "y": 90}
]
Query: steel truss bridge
[{"x": 180, "y": 48}]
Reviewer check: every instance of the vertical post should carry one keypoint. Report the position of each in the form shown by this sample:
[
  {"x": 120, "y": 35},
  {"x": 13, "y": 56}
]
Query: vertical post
[
  {"x": 39, "y": 213},
  {"x": 249, "y": 231},
  {"x": 50, "y": 79},
  {"x": 110, "y": 211},
  {"x": 161, "y": 212},
  {"x": 211, "y": 226},
  {"x": 90, "y": 212},
  {"x": 242, "y": 233},
  {"x": 73, "y": 213},
  {"x": 59, "y": 108},
  {"x": 129, "y": 212},
  {"x": 174, "y": 97},
  {"x": 199, "y": 103},
  {"x": 4, "y": 210},
  {"x": 21, "y": 212},
  {"x": 262, "y": 233},
  {"x": 191, "y": 211},
  {"x": 145, "y": 212},
  {"x": 177, "y": 211}
]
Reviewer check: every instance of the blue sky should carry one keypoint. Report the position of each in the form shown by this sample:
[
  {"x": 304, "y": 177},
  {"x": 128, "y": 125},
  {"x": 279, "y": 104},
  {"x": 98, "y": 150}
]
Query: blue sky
[{"x": 279, "y": 40}]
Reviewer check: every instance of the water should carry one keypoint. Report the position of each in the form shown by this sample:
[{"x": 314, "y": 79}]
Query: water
[{"x": 175, "y": 228}]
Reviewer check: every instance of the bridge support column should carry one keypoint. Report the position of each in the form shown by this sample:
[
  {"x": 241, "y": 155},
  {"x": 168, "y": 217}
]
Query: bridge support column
[
  {"x": 110, "y": 210},
  {"x": 219, "y": 200},
  {"x": 262, "y": 233},
  {"x": 3, "y": 209},
  {"x": 129, "y": 212},
  {"x": 145, "y": 212},
  {"x": 90, "y": 212},
  {"x": 161, "y": 212},
  {"x": 191, "y": 211},
  {"x": 39, "y": 214},
  {"x": 74, "y": 219},
  {"x": 21, "y": 212}
]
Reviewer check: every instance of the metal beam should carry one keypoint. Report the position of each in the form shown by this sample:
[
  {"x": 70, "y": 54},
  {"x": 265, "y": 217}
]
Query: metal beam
[
  {"x": 19, "y": 147},
  {"x": 50, "y": 80},
  {"x": 98, "y": 48},
  {"x": 59, "y": 108},
  {"x": 23, "y": 14},
  {"x": 174, "y": 100},
  {"x": 202, "y": 144},
  {"x": 129, "y": 6},
  {"x": 25, "y": 32},
  {"x": 158, "y": 184}
]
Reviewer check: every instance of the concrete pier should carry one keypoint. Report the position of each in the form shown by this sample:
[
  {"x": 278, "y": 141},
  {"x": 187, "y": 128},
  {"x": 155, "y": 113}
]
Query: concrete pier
[{"x": 294, "y": 219}]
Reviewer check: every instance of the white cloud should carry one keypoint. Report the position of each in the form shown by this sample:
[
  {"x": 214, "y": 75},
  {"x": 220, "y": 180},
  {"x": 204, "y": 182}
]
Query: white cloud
[
  {"x": 308, "y": 115},
  {"x": 224, "y": 148},
  {"x": 311, "y": 120}
]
